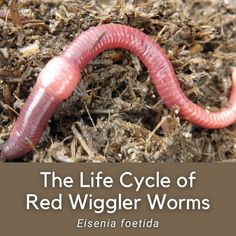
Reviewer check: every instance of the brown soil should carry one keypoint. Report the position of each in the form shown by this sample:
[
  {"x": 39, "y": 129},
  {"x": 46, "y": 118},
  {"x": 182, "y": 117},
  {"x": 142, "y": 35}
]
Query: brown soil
[{"x": 115, "y": 114}]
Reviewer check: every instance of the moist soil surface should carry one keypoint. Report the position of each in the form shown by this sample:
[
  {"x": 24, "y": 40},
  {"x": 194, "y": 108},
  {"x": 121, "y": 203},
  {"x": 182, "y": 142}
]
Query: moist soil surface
[{"x": 115, "y": 114}]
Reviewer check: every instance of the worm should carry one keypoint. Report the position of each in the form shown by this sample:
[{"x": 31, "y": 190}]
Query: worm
[{"x": 61, "y": 75}]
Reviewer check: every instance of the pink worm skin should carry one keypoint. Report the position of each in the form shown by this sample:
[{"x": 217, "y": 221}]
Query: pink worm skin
[{"x": 61, "y": 75}]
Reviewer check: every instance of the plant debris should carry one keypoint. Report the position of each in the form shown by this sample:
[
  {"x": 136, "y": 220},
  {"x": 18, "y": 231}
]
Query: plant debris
[{"x": 115, "y": 114}]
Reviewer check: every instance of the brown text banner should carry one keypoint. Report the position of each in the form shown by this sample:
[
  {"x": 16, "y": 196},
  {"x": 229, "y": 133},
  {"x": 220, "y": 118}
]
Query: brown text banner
[{"x": 105, "y": 199}]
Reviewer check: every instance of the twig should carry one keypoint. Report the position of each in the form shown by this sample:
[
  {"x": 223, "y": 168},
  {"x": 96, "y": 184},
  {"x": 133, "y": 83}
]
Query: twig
[{"x": 15, "y": 15}]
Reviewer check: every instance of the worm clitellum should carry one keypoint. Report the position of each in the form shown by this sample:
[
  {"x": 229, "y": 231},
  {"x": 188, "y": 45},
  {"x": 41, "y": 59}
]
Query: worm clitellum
[{"x": 61, "y": 75}]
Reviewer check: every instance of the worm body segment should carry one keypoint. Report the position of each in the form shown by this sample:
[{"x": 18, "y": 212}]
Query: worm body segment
[{"x": 61, "y": 75}]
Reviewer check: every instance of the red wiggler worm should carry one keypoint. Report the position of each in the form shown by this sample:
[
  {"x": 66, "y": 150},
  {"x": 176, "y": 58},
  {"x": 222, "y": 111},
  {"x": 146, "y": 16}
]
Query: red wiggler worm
[{"x": 62, "y": 73}]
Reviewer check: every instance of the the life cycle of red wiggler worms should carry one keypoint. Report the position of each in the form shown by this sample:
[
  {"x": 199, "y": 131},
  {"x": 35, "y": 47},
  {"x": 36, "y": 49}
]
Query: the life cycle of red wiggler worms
[{"x": 117, "y": 117}]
